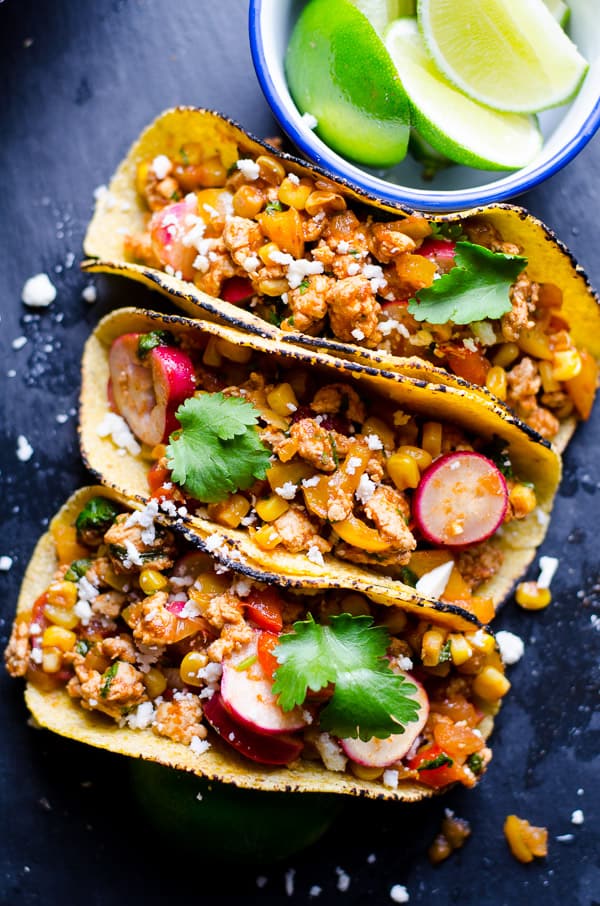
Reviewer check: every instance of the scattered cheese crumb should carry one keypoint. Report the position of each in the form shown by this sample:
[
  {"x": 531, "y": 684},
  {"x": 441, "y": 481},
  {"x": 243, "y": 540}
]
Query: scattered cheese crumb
[
  {"x": 548, "y": 566},
  {"x": 357, "y": 334},
  {"x": 310, "y": 121},
  {"x": 365, "y": 489},
  {"x": 5, "y": 563},
  {"x": 289, "y": 881},
  {"x": 287, "y": 490},
  {"x": 115, "y": 427},
  {"x": 213, "y": 542},
  {"x": 89, "y": 293},
  {"x": 333, "y": 757},
  {"x": 24, "y": 449},
  {"x": 199, "y": 746},
  {"x": 315, "y": 555},
  {"x": 300, "y": 269},
  {"x": 343, "y": 882},
  {"x": 142, "y": 717},
  {"x": 399, "y": 894},
  {"x": 18, "y": 342},
  {"x": 511, "y": 646},
  {"x": 343, "y": 247},
  {"x": 38, "y": 291},
  {"x": 470, "y": 344},
  {"x": 311, "y": 482},
  {"x": 249, "y": 168},
  {"x": 577, "y": 817},
  {"x": 261, "y": 881},
  {"x": 433, "y": 584},
  {"x": 374, "y": 442},
  {"x": 371, "y": 858},
  {"x": 293, "y": 179},
  {"x": 404, "y": 662},
  {"x": 62, "y": 417},
  {"x": 565, "y": 838},
  {"x": 315, "y": 891},
  {"x": 352, "y": 465},
  {"x": 162, "y": 166},
  {"x": 390, "y": 779}
]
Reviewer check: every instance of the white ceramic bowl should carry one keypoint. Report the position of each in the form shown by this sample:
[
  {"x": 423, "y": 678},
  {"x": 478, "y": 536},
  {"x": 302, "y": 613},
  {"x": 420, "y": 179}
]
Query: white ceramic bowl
[{"x": 566, "y": 129}]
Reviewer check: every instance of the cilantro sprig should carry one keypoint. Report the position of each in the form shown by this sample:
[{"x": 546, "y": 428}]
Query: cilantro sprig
[
  {"x": 475, "y": 289},
  {"x": 218, "y": 449},
  {"x": 369, "y": 699}
]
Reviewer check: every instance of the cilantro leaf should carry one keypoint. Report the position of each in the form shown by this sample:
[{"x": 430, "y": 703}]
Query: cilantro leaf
[
  {"x": 218, "y": 450},
  {"x": 445, "y": 654},
  {"x": 477, "y": 288},
  {"x": 369, "y": 698},
  {"x": 440, "y": 761}
]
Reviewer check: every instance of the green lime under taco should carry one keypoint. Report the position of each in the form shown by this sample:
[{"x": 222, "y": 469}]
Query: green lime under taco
[
  {"x": 233, "y": 229},
  {"x": 302, "y": 469},
  {"x": 170, "y": 658}
]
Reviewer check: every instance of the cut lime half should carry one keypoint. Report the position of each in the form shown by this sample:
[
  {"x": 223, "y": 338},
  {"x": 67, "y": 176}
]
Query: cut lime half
[
  {"x": 509, "y": 54},
  {"x": 381, "y": 12},
  {"x": 339, "y": 71},
  {"x": 560, "y": 11},
  {"x": 452, "y": 123}
]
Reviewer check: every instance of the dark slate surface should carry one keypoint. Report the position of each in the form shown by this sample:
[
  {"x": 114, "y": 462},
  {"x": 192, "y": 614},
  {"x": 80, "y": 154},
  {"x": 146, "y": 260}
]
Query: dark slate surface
[{"x": 79, "y": 80}]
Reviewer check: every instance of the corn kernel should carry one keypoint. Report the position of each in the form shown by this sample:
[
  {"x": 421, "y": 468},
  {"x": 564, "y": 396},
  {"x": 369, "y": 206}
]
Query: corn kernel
[
  {"x": 212, "y": 357},
  {"x": 431, "y": 647},
  {"x": 403, "y": 470},
  {"x": 62, "y": 594},
  {"x": 530, "y": 596},
  {"x": 231, "y": 511},
  {"x": 266, "y": 538},
  {"x": 141, "y": 176},
  {"x": 155, "y": 682},
  {"x": 51, "y": 660},
  {"x": 57, "y": 637},
  {"x": 356, "y": 604},
  {"x": 208, "y": 584},
  {"x": 279, "y": 473},
  {"x": 524, "y": 840},
  {"x": 265, "y": 252},
  {"x": 159, "y": 451},
  {"x": 395, "y": 620},
  {"x": 506, "y": 355},
  {"x": 271, "y": 508},
  {"x": 549, "y": 382},
  {"x": 496, "y": 382},
  {"x": 270, "y": 287},
  {"x": 365, "y": 773},
  {"x": 490, "y": 684},
  {"x": 152, "y": 581},
  {"x": 522, "y": 499},
  {"x": 68, "y": 619},
  {"x": 283, "y": 400},
  {"x": 189, "y": 667},
  {"x": 293, "y": 194},
  {"x": 324, "y": 200},
  {"x": 248, "y": 201},
  {"x": 460, "y": 650},
  {"x": 431, "y": 439},
  {"x": 481, "y": 641},
  {"x": 421, "y": 457},
  {"x": 566, "y": 365},
  {"x": 270, "y": 169},
  {"x": 233, "y": 352},
  {"x": 379, "y": 428}
]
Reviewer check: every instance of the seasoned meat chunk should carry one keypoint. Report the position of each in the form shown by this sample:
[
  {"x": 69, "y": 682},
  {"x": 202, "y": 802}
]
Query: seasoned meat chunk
[
  {"x": 524, "y": 297},
  {"x": 213, "y": 268},
  {"x": 479, "y": 562},
  {"x": 225, "y": 608},
  {"x": 233, "y": 637},
  {"x": 319, "y": 446},
  {"x": 112, "y": 692},
  {"x": 542, "y": 421},
  {"x": 16, "y": 655},
  {"x": 482, "y": 232},
  {"x": 334, "y": 399},
  {"x": 129, "y": 553},
  {"x": 152, "y": 623},
  {"x": 243, "y": 238},
  {"x": 297, "y": 532},
  {"x": 523, "y": 380},
  {"x": 309, "y": 303},
  {"x": 353, "y": 307},
  {"x": 180, "y": 720},
  {"x": 139, "y": 248},
  {"x": 389, "y": 511},
  {"x": 109, "y": 604},
  {"x": 387, "y": 241},
  {"x": 119, "y": 647}
]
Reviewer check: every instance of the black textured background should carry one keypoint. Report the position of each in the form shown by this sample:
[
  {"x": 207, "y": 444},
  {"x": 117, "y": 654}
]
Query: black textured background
[{"x": 79, "y": 79}]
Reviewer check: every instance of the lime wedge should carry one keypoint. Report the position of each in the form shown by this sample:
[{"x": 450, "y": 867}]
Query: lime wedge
[
  {"x": 339, "y": 71},
  {"x": 452, "y": 123},
  {"x": 509, "y": 54},
  {"x": 381, "y": 12},
  {"x": 560, "y": 11}
]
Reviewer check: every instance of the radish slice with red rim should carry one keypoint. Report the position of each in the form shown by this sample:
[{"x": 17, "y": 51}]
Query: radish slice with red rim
[
  {"x": 148, "y": 392},
  {"x": 380, "y": 753},
  {"x": 461, "y": 499},
  {"x": 263, "y": 749},
  {"x": 170, "y": 233}
]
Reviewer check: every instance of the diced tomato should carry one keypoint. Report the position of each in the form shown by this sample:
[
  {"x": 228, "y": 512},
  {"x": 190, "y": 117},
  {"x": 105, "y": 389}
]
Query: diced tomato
[
  {"x": 267, "y": 642},
  {"x": 40, "y": 619},
  {"x": 457, "y": 708},
  {"x": 158, "y": 477},
  {"x": 237, "y": 290},
  {"x": 457, "y": 740},
  {"x": 264, "y": 609},
  {"x": 472, "y": 366},
  {"x": 436, "y": 777}
]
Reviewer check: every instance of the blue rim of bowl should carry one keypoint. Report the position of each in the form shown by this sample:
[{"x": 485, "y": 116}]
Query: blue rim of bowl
[{"x": 454, "y": 200}]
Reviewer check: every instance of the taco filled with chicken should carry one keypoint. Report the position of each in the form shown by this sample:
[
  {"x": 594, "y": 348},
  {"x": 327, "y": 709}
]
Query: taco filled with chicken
[
  {"x": 169, "y": 657},
  {"x": 302, "y": 469},
  {"x": 233, "y": 229}
]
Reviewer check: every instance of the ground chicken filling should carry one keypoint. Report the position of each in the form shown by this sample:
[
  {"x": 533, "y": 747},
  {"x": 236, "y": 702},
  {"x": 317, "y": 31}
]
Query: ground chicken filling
[
  {"x": 140, "y": 627},
  {"x": 345, "y": 470},
  {"x": 290, "y": 249}
]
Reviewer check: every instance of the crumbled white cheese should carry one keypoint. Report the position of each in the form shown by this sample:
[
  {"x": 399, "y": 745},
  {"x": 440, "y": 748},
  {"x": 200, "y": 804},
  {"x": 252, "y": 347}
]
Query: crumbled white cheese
[
  {"x": 199, "y": 746},
  {"x": 282, "y": 258},
  {"x": 213, "y": 542},
  {"x": 36, "y": 655},
  {"x": 310, "y": 121},
  {"x": 357, "y": 334},
  {"x": 24, "y": 449},
  {"x": 374, "y": 442},
  {"x": 249, "y": 168},
  {"x": 371, "y": 858},
  {"x": 133, "y": 555},
  {"x": 470, "y": 344},
  {"x": 386, "y": 326},
  {"x": 399, "y": 894},
  {"x": 115, "y": 427},
  {"x": 343, "y": 247},
  {"x": 353, "y": 464},
  {"x": 251, "y": 263},
  {"x": 333, "y": 757},
  {"x": 190, "y": 610},
  {"x": 293, "y": 179},
  {"x": 511, "y": 646},
  {"x": 211, "y": 674},
  {"x": 577, "y": 817},
  {"x": 250, "y": 519},
  {"x": 404, "y": 662},
  {"x": 311, "y": 482},
  {"x": 301, "y": 268},
  {"x": 315, "y": 891},
  {"x": 433, "y": 584},
  {"x": 5, "y": 563},
  {"x": 18, "y": 342},
  {"x": 83, "y": 610},
  {"x": 261, "y": 881},
  {"x": 38, "y": 291},
  {"x": 168, "y": 507},
  {"x": 565, "y": 838},
  {"x": 162, "y": 166},
  {"x": 353, "y": 269},
  {"x": 343, "y": 881},
  {"x": 315, "y": 555},
  {"x": 365, "y": 489},
  {"x": 145, "y": 518},
  {"x": 195, "y": 235},
  {"x": 287, "y": 490},
  {"x": 372, "y": 271},
  {"x": 289, "y": 881},
  {"x": 548, "y": 566},
  {"x": 390, "y": 779},
  {"x": 484, "y": 332},
  {"x": 142, "y": 717},
  {"x": 241, "y": 587}
]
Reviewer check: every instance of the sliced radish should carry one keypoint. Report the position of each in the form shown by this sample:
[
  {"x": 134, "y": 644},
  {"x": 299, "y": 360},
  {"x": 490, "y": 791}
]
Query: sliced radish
[
  {"x": 379, "y": 753},
  {"x": 461, "y": 499},
  {"x": 147, "y": 393},
  {"x": 237, "y": 290},
  {"x": 170, "y": 231},
  {"x": 442, "y": 251},
  {"x": 248, "y": 696},
  {"x": 263, "y": 749}
]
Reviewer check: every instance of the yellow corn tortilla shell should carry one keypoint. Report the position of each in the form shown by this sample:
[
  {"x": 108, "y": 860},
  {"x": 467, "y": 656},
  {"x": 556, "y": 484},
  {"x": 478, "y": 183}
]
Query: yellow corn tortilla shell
[
  {"x": 57, "y": 711},
  {"x": 120, "y": 211},
  {"x": 533, "y": 460}
]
